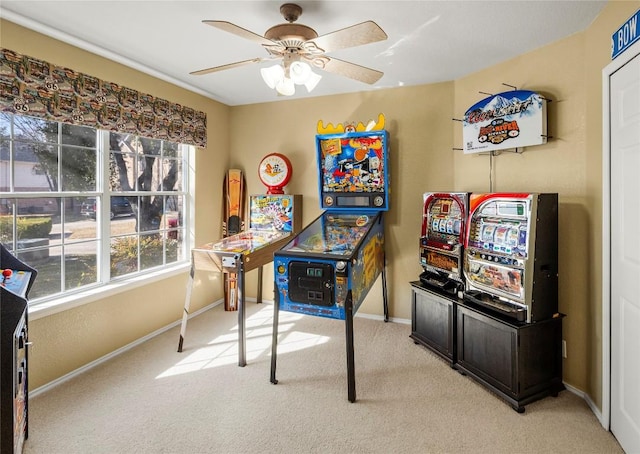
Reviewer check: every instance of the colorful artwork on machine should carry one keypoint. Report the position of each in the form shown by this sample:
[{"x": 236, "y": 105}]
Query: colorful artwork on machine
[
  {"x": 508, "y": 120},
  {"x": 353, "y": 164},
  {"x": 271, "y": 212}
]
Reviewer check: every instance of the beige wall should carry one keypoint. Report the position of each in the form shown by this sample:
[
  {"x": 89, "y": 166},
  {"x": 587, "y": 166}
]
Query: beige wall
[
  {"x": 68, "y": 340},
  {"x": 423, "y": 135}
]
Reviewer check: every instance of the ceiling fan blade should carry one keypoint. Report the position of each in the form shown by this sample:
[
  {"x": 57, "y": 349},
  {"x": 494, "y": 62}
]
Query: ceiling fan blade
[
  {"x": 356, "y": 35},
  {"x": 351, "y": 70},
  {"x": 229, "y": 66},
  {"x": 239, "y": 31}
]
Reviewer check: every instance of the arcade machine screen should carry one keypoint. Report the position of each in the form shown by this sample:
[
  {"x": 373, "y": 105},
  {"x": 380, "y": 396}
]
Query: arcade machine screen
[{"x": 353, "y": 170}]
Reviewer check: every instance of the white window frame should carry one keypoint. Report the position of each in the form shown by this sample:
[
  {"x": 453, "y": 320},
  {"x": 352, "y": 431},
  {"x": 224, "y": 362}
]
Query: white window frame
[{"x": 105, "y": 285}]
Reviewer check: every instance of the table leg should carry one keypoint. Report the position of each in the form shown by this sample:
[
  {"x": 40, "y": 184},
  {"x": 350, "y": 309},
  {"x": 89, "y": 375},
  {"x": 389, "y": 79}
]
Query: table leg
[
  {"x": 259, "y": 297},
  {"x": 242, "y": 337},
  {"x": 187, "y": 304}
]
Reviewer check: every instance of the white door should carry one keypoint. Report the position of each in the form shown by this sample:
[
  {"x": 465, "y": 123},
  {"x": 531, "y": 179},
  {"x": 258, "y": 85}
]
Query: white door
[{"x": 624, "y": 105}]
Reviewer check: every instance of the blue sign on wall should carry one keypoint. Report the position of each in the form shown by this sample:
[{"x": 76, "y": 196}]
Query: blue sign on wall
[{"x": 626, "y": 35}]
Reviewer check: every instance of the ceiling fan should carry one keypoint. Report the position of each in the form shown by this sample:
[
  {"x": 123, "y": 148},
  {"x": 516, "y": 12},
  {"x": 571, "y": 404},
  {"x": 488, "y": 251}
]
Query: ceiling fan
[{"x": 300, "y": 48}]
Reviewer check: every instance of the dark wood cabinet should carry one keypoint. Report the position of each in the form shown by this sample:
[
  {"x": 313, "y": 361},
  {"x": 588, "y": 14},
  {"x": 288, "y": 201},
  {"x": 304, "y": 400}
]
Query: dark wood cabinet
[
  {"x": 433, "y": 321},
  {"x": 520, "y": 362}
]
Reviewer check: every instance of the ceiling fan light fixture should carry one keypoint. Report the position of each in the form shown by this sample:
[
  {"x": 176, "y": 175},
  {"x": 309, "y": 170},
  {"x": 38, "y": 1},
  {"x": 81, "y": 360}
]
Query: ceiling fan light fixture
[
  {"x": 286, "y": 87},
  {"x": 300, "y": 72},
  {"x": 312, "y": 81},
  {"x": 299, "y": 49},
  {"x": 272, "y": 75}
]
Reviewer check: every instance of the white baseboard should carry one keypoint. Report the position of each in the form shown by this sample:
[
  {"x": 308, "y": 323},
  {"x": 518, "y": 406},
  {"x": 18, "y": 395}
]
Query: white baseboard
[
  {"x": 92, "y": 364},
  {"x": 587, "y": 398},
  {"x": 402, "y": 321}
]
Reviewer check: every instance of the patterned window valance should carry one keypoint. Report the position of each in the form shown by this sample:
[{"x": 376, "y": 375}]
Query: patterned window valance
[{"x": 34, "y": 87}]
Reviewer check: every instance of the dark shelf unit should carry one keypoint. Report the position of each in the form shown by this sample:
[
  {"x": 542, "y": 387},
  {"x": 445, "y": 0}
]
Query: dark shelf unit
[
  {"x": 433, "y": 321},
  {"x": 519, "y": 362}
]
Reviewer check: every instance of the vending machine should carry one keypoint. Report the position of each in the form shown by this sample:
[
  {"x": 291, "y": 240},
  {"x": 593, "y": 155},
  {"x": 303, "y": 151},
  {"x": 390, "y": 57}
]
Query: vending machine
[
  {"x": 444, "y": 218},
  {"x": 329, "y": 267},
  {"x": 511, "y": 254}
]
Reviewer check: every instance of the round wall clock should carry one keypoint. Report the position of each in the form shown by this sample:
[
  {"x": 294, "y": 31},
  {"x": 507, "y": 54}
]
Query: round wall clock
[{"x": 275, "y": 172}]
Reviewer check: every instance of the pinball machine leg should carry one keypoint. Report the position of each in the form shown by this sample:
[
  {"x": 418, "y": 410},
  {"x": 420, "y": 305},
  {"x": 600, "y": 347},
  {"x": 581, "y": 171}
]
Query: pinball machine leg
[
  {"x": 187, "y": 304},
  {"x": 242, "y": 336},
  {"x": 351, "y": 374},
  {"x": 274, "y": 338},
  {"x": 259, "y": 295},
  {"x": 385, "y": 300}
]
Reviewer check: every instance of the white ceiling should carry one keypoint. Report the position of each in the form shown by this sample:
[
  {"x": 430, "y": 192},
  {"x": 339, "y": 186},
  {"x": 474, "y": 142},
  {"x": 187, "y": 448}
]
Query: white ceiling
[{"x": 428, "y": 41}]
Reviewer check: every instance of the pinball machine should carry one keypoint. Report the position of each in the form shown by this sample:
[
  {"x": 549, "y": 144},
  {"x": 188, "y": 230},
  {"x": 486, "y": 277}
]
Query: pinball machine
[
  {"x": 273, "y": 218},
  {"x": 328, "y": 268}
]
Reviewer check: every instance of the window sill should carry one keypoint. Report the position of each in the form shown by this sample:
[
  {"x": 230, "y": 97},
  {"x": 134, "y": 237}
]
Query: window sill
[{"x": 47, "y": 308}]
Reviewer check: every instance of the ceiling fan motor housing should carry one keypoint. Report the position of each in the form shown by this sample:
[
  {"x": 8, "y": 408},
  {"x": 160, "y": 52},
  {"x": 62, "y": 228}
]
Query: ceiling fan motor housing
[{"x": 291, "y": 35}]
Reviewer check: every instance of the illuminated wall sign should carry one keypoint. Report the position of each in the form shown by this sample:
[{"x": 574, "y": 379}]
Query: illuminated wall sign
[
  {"x": 625, "y": 36},
  {"x": 507, "y": 120}
]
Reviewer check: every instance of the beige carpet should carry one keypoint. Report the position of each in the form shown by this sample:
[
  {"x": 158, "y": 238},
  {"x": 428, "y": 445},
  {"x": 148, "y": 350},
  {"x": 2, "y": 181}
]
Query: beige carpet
[{"x": 152, "y": 399}]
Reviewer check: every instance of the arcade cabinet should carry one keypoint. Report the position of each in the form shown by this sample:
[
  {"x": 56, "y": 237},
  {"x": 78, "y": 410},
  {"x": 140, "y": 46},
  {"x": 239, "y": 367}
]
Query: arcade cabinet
[
  {"x": 328, "y": 268},
  {"x": 15, "y": 283}
]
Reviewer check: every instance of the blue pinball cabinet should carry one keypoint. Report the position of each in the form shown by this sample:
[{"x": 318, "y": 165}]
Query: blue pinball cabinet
[{"x": 328, "y": 268}]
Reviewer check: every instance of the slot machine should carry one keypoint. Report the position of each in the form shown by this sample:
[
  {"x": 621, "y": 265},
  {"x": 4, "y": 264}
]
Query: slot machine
[
  {"x": 511, "y": 254},
  {"x": 328, "y": 269},
  {"x": 444, "y": 220}
]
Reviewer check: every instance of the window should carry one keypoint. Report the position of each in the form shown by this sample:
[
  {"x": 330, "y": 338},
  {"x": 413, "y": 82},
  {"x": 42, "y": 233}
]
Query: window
[{"x": 86, "y": 207}]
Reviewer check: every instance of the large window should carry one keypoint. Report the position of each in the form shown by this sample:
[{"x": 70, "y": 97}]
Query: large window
[{"x": 86, "y": 207}]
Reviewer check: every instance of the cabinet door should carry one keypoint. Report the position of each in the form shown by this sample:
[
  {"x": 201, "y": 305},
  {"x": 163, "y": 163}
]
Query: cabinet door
[
  {"x": 540, "y": 353},
  {"x": 488, "y": 349},
  {"x": 432, "y": 322}
]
